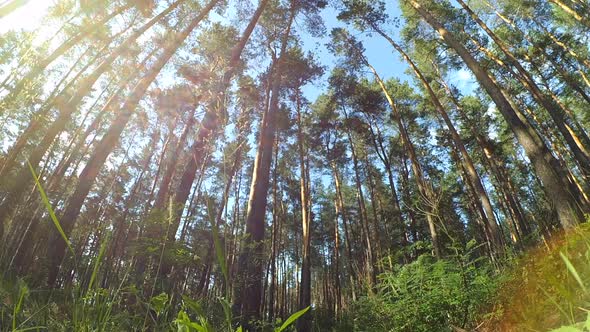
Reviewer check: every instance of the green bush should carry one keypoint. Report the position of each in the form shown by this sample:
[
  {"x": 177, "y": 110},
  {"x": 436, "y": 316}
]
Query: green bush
[{"x": 427, "y": 295}]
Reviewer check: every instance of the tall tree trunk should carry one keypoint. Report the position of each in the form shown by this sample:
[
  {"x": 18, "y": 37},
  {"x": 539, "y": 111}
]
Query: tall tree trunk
[
  {"x": 572, "y": 12},
  {"x": 67, "y": 110},
  {"x": 304, "y": 323},
  {"x": 505, "y": 186},
  {"x": 109, "y": 141},
  {"x": 377, "y": 139},
  {"x": 247, "y": 291},
  {"x": 341, "y": 211},
  {"x": 11, "y": 6},
  {"x": 336, "y": 267},
  {"x": 544, "y": 163},
  {"x": 162, "y": 196},
  {"x": 427, "y": 195},
  {"x": 369, "y": 259},
  {"x": 83, "y": 87},
  {"x": 275, "y": 237},
  {"x": 210, "y": 122},
  {"x": 41, "y": 117},
  {"x": 80, "y": 148},
  {"x": 555, "y": 109},
  {"x": 490, "y": 222},
  {"x": 248, "y": 288},
  {"x": 375, "y": 231}
]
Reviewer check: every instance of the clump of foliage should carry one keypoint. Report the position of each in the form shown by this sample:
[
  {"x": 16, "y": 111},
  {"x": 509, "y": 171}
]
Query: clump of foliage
[{"x": 428, "y": 295}]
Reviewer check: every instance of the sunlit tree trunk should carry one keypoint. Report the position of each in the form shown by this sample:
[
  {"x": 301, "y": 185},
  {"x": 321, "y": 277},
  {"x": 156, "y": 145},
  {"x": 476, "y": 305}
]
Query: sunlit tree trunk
[
  {"x": 554, "y": 109},
  {"x": 545, "y": 164},
  {"x": 109, "y": 141},
  {"x": 247, "y": 292},
  {"x": 305, "y": 290}
]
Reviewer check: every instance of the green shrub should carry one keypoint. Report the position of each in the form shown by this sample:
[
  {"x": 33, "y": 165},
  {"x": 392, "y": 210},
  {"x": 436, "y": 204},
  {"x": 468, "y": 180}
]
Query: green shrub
[{"x": 427, "y": 295}]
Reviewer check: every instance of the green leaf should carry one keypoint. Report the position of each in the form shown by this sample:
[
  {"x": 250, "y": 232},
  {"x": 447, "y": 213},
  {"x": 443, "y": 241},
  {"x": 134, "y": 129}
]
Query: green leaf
[
  {"x": 193, "y": 305},
  {"x": 572, "y": 270},
  {"x": 184, "y": 323},
  {"x": 292, "y": 319},
  {"x": 227, "y": 310},
  {"x": 158, "y": 303},
  {"x": 30, "y": 329},
  {"x": 50, "y": 209},
  {"x": 23, "y": 291}
]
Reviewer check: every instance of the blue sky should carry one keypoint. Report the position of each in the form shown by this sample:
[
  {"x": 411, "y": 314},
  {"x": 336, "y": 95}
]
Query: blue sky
[{"x": 378, "y": 51}]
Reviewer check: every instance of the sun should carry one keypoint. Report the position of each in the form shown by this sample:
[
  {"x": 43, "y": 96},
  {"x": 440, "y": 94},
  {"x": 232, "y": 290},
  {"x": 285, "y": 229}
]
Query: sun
[{"x": 27, "y": 16}]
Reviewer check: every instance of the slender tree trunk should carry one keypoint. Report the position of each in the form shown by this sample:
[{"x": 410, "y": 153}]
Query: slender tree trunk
[
  {"x": 41, "y": 117},
  {"x": 210, "y": 121},
  {"x": 555, "y": 109},
  {"x": 162, "y": 196},
  {"x": 363, "y": 218},
  {"x": 275, "y": 236},
  {"x": 304, "y": 323},
  {"x": 336, "y": 267},
  {"x": 426, "y": 192},
  {"x": 572, "y": 12},
  {"x": 341, "y": 211},
  {"x": 11, "y": 6},
  {"x": 377, "y": 221},
  {"x": 490, "y": 222},
  {"x": 66, "y": 112},
  {"x": 109, "y": 141},
  {"x": 377, "y": 140},
  {"x": 247, "y": 293},
  {"x": 545, "y": 164},
  {"x": 505, "y": 186}
]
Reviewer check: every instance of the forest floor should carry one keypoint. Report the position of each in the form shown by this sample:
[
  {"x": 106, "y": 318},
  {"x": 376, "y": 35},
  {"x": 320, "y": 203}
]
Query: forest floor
[{"x": 545, "y": 289}]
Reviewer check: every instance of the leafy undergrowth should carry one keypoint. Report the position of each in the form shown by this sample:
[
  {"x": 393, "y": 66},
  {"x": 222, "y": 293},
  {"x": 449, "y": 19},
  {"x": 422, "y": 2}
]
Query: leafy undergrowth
[
  {"x": 105, "y": 310},
  {"x": 546, "y": 289},
  {"x": 427, "y": 295},
  {"x": 121, "y": 308}
]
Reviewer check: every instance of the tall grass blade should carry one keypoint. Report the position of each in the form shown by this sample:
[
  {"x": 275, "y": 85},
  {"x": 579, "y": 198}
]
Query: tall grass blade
[
  {"x": 97, "y": 263},
  {"x": 23, "y": 291},
  {"x": 292, "y": 319},
  {"x": 50, "y": 209},
  {"x": 572, "y": 270},
  {"x": 36, "y": 328}
]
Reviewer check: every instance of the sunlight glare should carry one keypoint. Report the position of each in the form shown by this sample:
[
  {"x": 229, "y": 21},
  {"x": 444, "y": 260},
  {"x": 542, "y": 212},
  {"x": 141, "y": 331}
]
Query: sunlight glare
[{"x": 28, "y": 17}]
